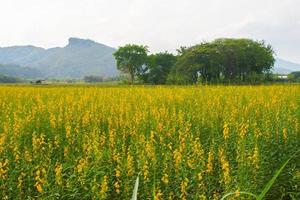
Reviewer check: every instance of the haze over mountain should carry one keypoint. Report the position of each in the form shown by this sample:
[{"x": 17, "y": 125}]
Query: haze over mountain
[{"x": 79, "y": 58}]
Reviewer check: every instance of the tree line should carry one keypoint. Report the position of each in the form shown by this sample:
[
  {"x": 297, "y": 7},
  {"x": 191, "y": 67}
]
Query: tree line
[{"x": 220, "y": 61}]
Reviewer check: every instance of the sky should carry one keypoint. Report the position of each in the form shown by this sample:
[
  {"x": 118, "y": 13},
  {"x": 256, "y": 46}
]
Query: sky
[{"x": 163, "y": 25}]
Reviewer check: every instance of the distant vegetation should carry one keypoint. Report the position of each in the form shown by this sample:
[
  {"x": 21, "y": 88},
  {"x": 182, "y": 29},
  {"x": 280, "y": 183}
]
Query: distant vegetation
[
  {"x": 220, "y": 61},
  {"x": 93, "y": 79},
  {"x": 8, "y": 79}
]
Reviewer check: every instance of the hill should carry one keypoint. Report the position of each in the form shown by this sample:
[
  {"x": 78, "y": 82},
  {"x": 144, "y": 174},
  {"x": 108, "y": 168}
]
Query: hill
[
  {"x": 285, "y": 67},
  {"x": 79, "y": 58}
]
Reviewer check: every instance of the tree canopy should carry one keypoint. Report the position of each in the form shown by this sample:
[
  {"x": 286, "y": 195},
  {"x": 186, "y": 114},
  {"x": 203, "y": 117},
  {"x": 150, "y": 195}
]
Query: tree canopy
[
  {"x": 225, "y": 59},
  {"x": 158, "y": 67},
  {"x": 131, "y": 58}
]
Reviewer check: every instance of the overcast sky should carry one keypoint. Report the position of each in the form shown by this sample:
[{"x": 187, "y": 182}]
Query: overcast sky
[{"x": 160, "y": 24}]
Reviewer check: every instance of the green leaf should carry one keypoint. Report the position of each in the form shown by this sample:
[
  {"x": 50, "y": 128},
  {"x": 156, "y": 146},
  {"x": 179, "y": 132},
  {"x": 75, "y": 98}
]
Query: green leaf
[
  {"x": 234, "y": 193},
  {"x": 271, "y": 182},
  {"x": 135, "y": 190}
]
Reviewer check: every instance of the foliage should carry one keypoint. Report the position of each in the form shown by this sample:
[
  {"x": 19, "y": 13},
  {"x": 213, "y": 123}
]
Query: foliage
[
  {"x": 130, "y": 59},
  {"x": 229, "y": 60},
  {"x": 158, "y": 67},
  {"x": 83, "y": 142}
]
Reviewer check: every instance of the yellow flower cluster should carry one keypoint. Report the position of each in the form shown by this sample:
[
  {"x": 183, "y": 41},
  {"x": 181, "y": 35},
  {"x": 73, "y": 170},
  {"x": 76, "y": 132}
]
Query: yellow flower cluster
[
  {"x": 225, "y": 166},
  {"x": 3, "y": 169},
  {"x": 58, "y": 174},
  {"x": 40, "y": 179}
]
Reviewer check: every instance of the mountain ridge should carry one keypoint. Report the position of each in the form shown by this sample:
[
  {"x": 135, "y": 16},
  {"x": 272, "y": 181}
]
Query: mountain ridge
[
  {"x": 79, "y": 58},
  {"x": 282, "y": 66}
]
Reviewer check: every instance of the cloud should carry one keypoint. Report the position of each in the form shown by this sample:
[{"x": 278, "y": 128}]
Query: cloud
[
  {"x": 160, "y": 24},
  {"x": 283, "y": 34}
]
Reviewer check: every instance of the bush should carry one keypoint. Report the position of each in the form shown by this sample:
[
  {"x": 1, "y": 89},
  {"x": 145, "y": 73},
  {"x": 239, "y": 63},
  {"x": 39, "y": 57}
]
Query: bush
[{"x": 93, "y": 79}]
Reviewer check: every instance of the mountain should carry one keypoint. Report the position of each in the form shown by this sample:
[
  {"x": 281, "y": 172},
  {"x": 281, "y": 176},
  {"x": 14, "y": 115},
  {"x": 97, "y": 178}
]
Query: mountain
[
  {"x": 81, "y": 57},
  {"x": 285, "y": 67}
]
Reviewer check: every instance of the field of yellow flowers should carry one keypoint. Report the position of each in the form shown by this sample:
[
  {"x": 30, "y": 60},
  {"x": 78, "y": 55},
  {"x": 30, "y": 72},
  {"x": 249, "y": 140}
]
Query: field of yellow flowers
[{"x": 193, "y": 142}]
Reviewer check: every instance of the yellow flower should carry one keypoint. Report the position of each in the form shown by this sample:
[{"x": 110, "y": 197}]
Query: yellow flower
[
  {"x": 225, "y": 166},
  {"x": 3, "y": 169},
  {"x": 118, "y": 171},
  {"x": 117, "y": 187},
  {"x": 255, "y": 157},
  {"x": 243, "y": 130},
  {"x": 284, "y": 131},
  {"x": 177, "y": 158},
  {"x": 58, "y": 175},
  {"x": 82, "y": 165},
  {"x": 40, "y": 179},
  {"x": 225, "y": 131},
  {"x": 146, "y": 170},
  {"x": 20, "y": 180},
  {"x": 39, "y": 188},
  {"x": 2, "y": 139},
  {"x": 158, "y": 195},
  {"x": 165, "y": 179},
  {"x": 103, "y": 187},
  {"x": 130, "y": 169},
  {"x": 183, "y": 186},
  {"x": 237, "y": 193},
  {"x": 209, "y": 164}
]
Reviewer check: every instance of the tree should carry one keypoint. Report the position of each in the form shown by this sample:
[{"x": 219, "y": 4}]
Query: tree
[
  {"x": 231, "y": 60},
  {"x": 158, "y": 67},
  {"x": 202, "y": 60},
  {"x": 244, "y": 58},
  {"x": 294, "y": 76},
  {"x": 130, "y": 59}
]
